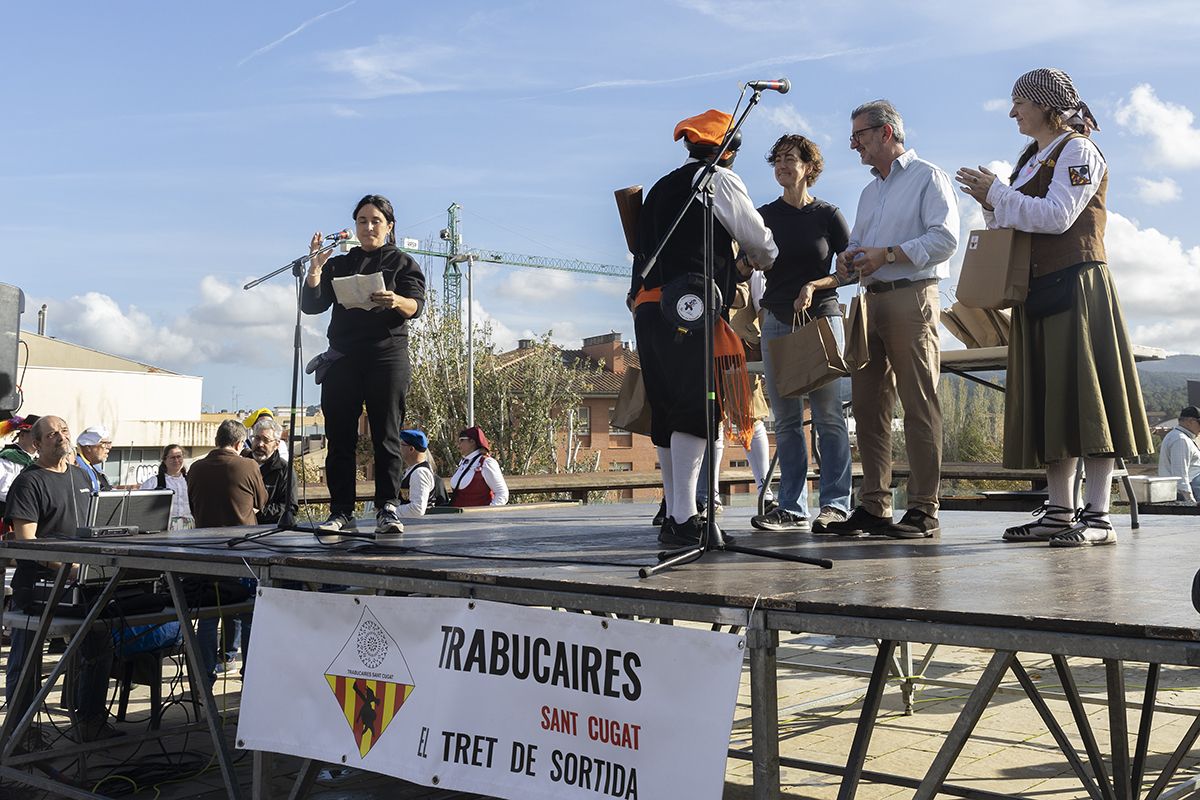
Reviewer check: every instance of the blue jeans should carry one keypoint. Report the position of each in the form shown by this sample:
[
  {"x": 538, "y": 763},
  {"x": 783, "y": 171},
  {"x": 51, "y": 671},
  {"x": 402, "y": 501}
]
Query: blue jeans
[
  {"x": 791, "y": 444},
  {"x": 207, "y": 641}
]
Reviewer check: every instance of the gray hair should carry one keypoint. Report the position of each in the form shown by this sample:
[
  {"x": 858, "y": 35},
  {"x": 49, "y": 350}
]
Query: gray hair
[
  {"x": 268, "y": 423},
  {"x": 882, "y": 112},
  {"x": 230, "y": 433}
]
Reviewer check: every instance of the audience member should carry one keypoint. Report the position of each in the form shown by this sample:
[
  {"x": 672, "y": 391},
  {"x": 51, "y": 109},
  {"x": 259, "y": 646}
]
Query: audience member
[
  {"x": 266, "y": 448},
  {"x": 425, "y": 487},
  {"x": 1179, "y": 456},
  {"x": 94, "y": 446},
  {"x": 225, "y": 489},
  {"x": 172, "y": 474},
  {"x": 49, "y": 500},
  {"x": 478, "y": 480},
  {"x": 18, "y": 454},
  {"x": 265, "y": 413}
]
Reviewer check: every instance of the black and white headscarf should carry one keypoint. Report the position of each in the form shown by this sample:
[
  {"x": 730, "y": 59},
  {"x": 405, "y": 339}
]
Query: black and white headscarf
[{"x": 1053, "y": 88}]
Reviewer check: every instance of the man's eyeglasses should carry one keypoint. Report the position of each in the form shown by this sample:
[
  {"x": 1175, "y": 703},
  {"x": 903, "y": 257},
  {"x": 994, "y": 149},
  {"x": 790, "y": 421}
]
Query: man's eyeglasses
[{"x": 854, "y": 135}]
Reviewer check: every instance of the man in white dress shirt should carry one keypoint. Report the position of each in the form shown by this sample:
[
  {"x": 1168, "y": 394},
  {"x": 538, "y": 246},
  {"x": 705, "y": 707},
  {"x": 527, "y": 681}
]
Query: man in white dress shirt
[
  {"x": 1179, "y": 456},
  {"x": 905, "y": 231}
]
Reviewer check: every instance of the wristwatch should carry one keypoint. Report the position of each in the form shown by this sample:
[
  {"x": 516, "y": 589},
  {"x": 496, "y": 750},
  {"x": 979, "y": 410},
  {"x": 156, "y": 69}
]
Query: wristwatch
[{"x": 891, "y": 256}]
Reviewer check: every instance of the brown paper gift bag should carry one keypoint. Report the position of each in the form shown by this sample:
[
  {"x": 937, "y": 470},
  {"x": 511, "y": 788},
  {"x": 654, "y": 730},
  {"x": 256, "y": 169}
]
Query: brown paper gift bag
[
  {"x": 995, "y": 270},
  {"x": 977, "y": 327},
  {"x": 857, "y": 353},
  {"x": 806, "y": 359},
  {"x": 632, "y": 411}
]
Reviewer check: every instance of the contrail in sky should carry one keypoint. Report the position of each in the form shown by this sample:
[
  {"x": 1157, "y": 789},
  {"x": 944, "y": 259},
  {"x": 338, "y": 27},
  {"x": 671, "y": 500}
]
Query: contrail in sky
[{"x": 293, "y": 32}]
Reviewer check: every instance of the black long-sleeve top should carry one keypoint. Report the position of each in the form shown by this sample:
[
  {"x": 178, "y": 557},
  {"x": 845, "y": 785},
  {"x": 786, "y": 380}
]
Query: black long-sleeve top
[
  {"x": 353, "y": 326},
  {"x": 808, "y": 239}
]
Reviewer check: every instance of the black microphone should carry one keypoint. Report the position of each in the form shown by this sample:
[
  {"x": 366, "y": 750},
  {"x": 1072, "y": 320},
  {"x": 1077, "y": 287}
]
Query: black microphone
[
  {"x": 782, "y": 85},
  {"x": 339, "y": 236}
]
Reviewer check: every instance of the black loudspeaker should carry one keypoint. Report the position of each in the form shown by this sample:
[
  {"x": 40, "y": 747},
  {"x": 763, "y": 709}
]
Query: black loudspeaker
[{"x": 12, "y": 305}]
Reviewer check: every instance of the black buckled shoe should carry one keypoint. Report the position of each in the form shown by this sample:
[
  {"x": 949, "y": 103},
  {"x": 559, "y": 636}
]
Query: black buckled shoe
[{"x": 685, "y": 534}]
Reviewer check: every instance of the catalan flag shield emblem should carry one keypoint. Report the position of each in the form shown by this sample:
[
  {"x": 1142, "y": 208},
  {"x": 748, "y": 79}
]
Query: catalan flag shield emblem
[{"x": 370, "y": 680}]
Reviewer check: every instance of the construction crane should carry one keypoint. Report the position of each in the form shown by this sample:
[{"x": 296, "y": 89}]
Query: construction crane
[{"x": 451, "y": 249}]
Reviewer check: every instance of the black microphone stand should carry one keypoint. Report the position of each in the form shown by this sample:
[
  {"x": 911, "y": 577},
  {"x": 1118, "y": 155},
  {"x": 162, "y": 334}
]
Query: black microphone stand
[
  {"x": 287, "y": 522},
  {"x": 703, "y": 190}
]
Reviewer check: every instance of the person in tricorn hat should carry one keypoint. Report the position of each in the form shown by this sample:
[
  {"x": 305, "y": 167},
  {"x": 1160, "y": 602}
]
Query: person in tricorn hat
[
  {"x": 673, "y": 364},
  {"x": 478, "y": 480}
]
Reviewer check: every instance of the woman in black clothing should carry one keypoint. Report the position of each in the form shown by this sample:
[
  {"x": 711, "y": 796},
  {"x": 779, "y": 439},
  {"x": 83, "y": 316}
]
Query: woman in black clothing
[{"x": 367, "y": 360}]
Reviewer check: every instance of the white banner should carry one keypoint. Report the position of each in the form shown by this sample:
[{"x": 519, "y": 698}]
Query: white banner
[{"x": 484, "y": 697}]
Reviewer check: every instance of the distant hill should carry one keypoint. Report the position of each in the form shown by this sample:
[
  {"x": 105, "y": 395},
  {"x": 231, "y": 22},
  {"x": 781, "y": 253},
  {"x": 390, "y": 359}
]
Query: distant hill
[{"x": 1184, "y": 364}]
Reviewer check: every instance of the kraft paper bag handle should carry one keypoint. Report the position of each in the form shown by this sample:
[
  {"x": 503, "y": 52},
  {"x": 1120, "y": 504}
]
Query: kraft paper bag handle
[{"x": 800, "y": 319}]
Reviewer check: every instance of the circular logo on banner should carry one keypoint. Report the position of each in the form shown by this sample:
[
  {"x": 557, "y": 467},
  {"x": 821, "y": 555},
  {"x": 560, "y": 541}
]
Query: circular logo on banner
[
  {"x": 689, "y": 307},
  {"x": 372, "y": 644}
]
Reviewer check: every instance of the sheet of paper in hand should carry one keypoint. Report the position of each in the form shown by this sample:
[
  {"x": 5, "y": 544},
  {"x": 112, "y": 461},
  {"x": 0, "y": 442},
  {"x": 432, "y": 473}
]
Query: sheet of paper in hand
[{"x": 354, "y": 291}]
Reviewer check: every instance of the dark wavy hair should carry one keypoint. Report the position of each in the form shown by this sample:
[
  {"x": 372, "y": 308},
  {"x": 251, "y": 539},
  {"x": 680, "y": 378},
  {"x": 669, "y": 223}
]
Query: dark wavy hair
[
  {"x": 162, "y": 466},
  {"x": 384, "y": 205},
  {"x": 810, "y": 154}
]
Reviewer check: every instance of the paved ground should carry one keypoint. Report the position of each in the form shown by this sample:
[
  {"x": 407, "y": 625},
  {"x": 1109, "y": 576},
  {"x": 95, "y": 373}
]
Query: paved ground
[{"x": 1011, "y": 752}]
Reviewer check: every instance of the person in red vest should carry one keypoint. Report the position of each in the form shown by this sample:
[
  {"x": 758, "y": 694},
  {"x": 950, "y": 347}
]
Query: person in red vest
[{"x": 478, "y": 480}]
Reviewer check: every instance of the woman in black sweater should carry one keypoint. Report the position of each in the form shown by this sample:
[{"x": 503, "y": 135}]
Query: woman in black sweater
[{"x": 367, "y": 360}]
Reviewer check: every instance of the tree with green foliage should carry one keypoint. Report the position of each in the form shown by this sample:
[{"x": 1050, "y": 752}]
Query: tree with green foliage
[{"x": 522, "y": 399}]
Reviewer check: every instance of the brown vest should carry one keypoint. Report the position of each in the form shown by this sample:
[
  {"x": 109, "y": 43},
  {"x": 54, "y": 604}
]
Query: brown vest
[{"x": 1083, "y": 241}]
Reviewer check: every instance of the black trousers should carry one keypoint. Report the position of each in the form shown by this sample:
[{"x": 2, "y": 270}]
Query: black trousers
[
  {"x": 376, "y": 375},
  {"x": 673, "y": 371}
]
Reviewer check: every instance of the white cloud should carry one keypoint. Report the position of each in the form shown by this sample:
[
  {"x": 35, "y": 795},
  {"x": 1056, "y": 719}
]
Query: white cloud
[
  {"x": 1157, "y": 192},
  {"x": 1175, "y": 142},
  {"x": 293, "y": 32},
  {"x": 225, "y": 326},
  {"x": 395, "y": 66},
  {"x": 996, "y": 104},
  {"x": 1148, "y": 267},
  {"x": 786, "y": 118}
]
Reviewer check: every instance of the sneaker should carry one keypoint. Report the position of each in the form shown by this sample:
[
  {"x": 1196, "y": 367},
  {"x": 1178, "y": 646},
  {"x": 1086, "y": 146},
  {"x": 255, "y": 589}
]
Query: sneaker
[
  {"x": 781, "y": 520},
  {"x": 915, "y": 524},
  {"x": 1090, "y": 528},
  {"x": 94, "y": 730},
  {"x": 860, "y": 522},
  {"x": 661, "y": 516},
  {"x": 769, "y": 505},
  {"x": 1054, "y": 520},
  {"x": 683, "y": 534},
  {"x": 386, "y": 521},
  {"x": 337, "y": 522},
  {"x": 828, "y": 515}
]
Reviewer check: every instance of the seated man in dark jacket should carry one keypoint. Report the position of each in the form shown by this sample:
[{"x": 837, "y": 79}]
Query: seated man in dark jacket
[{"x": 281, "y": 492}]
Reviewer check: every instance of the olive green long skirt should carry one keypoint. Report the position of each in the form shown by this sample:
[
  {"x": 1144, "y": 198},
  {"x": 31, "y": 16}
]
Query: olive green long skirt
[{"x": 1072, "y": 387}]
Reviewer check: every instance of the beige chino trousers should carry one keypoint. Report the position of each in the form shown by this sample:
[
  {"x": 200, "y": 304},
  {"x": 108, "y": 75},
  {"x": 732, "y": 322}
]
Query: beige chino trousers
[{"x": 902, "y": 340}]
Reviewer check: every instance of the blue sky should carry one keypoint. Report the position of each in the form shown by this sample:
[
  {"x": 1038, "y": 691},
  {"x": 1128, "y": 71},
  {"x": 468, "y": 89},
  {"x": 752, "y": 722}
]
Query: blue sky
[{"x": 156, "y": 156}]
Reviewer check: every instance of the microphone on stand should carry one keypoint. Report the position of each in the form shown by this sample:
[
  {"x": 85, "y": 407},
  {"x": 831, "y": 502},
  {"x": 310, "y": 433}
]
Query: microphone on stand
[
  {"x": 783, "y": 85},
  {"x": 339, "y": 236}
]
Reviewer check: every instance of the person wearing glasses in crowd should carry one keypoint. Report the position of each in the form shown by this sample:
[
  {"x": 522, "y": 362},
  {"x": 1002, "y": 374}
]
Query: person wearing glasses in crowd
[
  {"x": 478, "y": 480},
  {"x": 1073, "y": 390},
  {"x": 172, "y": 474},
  {"x": 905, "y": 231},
  {"x": 94, "y": 445}
]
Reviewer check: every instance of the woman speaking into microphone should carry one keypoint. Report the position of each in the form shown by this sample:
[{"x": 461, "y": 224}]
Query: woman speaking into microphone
[{"x": 367, "y": 360}]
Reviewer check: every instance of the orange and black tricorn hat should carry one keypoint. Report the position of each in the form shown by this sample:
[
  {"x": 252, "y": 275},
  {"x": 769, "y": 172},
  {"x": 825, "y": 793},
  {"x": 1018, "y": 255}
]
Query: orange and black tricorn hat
[{"x": 707, "y": 128}]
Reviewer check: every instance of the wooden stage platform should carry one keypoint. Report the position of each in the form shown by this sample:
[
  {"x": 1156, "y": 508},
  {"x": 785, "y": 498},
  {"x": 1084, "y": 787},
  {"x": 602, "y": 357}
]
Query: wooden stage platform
[{"x": 1128, "y": 602}]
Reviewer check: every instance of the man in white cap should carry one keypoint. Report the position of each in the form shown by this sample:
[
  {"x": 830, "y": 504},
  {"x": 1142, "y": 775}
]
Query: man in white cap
[{"x": 94, "y": 444}]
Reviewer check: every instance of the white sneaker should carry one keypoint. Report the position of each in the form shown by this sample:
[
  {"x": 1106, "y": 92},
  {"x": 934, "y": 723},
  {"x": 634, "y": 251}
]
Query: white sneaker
[
  {"x": 336, "y": 523},
  {"x": 386, "y": 520}
]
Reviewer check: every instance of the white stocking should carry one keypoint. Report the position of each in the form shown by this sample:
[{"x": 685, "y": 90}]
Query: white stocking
[
  {"x": 664, "y": 465},
  {"x": 687, "y": 452}
]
